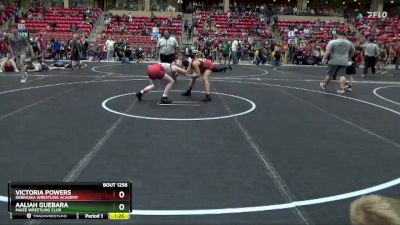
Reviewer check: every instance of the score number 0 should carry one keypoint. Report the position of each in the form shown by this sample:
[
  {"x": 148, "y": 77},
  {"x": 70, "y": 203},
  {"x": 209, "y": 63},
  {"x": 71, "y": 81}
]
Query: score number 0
[{"x": 121, "y": 206}]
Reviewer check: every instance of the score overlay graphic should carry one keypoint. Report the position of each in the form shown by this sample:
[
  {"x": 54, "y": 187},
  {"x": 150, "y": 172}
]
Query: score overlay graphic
[{"x": 75, "y": 200}]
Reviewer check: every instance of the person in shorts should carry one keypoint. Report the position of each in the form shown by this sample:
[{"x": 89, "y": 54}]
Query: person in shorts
[
  {"x": 340, "y": 51},
  {"x": 167, "y": 73},
  {"x": 18, "y": 45}
]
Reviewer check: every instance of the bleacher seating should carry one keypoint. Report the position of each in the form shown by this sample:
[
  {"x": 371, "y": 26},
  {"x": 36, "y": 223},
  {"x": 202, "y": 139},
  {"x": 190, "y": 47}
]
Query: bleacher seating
[
  {"x": 8, "y": 11},
  {"x": 133, "y": 32},
  {"x": 134, "y": 40},
  {"x": 63, "y": 18},
  {"x": 383, "y": 30},
  {"x": 323, "y": 31},
  {"x": 241, "y": 30}
]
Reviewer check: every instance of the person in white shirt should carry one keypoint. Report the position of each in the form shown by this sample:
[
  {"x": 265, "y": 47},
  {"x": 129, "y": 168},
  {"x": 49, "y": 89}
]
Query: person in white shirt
[
  {"x": 167, "y": 47},
  {"x": 234, "y": 51},
  {"x": 110, "y": 49},
  {"x": 306, "y": 32},
  {"x": 130, "y": 17}
]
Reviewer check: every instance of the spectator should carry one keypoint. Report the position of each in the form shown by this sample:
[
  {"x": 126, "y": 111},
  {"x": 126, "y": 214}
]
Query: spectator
[
  {"x": 128, "y": 54},
  {"x": 41, "y": 46},
  {"x": 35, "y": 46},
  {"x": 169, "y": 21},
  {"x": 186, "y": 26},
  {"x": 286, "y": 54},
  {"x": 39, "y": 17},
  {"x": 144, "y": 31},
  {"x": 317, "y": 55},
  {"x": 119, "y": 51},
  {"x": 225, "y": 51},
  {"x": 234, "y": 51},
  {"x": 152, "y": 17},
  {"x": 257, "y": 57},
  {"x": 110, "y": 49},
  {"x": 30, "y": 16},
  {"x": 63, "y": 51},
  {"x": 107, "y": 22},
  {"x": 84, "y": 47},
  {"x": 75, "y": 52},
  {"x": 382, "y": 59},
  {"x": 123, "y": 29},
  {"x": 276, "y": 56},
  {"x": 73, "y": 27},
  {"x": 130, "y": 17},
  {"x": 190, "y": 30},
  {"x": 53, "y": 26},
  {"x": 57, "y": 49},
  {"x": 140, "y": 55}
]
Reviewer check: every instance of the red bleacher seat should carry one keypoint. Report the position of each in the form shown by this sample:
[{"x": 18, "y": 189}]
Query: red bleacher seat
[
  {"x": 383, "y": 30},
  {"x": 63, "y": 18}
]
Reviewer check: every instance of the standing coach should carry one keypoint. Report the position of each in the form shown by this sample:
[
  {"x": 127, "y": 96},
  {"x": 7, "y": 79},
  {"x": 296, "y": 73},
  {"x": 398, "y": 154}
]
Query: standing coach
[{"x": 167, "y": 47}]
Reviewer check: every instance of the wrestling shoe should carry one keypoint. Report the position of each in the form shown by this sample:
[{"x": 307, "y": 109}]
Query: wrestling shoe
[
  {"x": 164, "y": 100},
  {"x": 322, "y": 85},
  {"x": 341, "y": 91},
  {"x": 207, "y": 98},
  {"x": 187, "y": 93},
  {"x": 139, "y": 95}
]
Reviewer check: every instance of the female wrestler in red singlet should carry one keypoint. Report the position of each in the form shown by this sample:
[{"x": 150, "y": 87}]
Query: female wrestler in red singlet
[
  {"x": 204, "y": 68},
  {"x": 167, "y": 73}
]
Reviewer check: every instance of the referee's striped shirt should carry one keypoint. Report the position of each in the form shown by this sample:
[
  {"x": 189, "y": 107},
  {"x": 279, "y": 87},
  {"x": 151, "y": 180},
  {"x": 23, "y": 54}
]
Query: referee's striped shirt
[{"x": 371, "y": 49}]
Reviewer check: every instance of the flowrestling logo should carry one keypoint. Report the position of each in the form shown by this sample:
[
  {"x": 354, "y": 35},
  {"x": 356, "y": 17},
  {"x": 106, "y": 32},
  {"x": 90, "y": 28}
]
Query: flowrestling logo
[{"x": 377, "y": 14}]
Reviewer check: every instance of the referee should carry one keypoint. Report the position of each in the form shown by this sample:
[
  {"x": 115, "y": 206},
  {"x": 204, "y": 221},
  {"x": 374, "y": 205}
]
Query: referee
[
  {"x": 167, "y": 47},
  {"x": 371, "y": 51}
]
